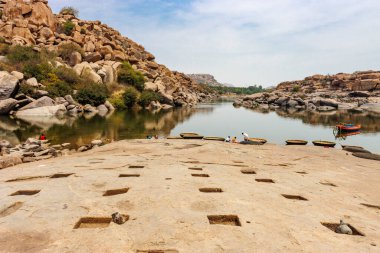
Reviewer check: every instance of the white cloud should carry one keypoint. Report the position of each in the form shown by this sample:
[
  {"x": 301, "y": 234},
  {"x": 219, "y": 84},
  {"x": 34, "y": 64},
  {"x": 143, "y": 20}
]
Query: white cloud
[{"x": 249, "y": 41}]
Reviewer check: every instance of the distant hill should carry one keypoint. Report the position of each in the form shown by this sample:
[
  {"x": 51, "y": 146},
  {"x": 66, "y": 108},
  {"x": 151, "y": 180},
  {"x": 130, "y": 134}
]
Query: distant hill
[{"x": 208, "y": 79}]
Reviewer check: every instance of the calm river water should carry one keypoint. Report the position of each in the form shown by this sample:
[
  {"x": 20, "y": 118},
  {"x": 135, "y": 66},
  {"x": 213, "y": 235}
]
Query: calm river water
[{"x": 218, "y": 119}]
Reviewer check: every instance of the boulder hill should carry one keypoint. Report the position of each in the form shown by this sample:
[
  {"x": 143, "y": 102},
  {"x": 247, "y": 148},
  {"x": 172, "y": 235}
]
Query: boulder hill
[{"x": 32, "y": 23}]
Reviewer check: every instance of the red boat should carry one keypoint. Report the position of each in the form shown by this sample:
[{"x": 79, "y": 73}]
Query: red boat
[{"x": 348, "y": 127}]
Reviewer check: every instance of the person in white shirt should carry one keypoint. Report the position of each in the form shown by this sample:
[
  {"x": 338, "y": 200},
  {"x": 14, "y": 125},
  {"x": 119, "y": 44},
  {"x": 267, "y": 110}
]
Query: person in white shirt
[
  {"x": 228, "y": 139},
  {"x": 246, "y": 136}
]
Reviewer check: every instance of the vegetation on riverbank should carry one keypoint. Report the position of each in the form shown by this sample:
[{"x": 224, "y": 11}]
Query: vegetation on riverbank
[
  {"x": 58, "y": 80},
  {"x": 237, "y": 90}
]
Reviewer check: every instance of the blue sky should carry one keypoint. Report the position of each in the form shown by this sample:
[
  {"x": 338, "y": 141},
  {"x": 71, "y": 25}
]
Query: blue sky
[{"x": 247, "y": 42}]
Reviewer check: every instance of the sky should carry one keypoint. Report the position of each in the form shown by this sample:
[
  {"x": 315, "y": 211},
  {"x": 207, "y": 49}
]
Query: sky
[{"x": 247, "y": 42}]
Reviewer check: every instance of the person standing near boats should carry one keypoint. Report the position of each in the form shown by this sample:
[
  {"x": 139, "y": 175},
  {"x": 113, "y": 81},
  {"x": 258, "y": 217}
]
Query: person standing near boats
[{"x": 246, "y": 136}]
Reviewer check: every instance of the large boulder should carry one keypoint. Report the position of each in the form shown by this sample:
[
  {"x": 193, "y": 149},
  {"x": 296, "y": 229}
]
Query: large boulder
[
  {"x": 46, "y": 111},
  {"x": 84, "y": 69},
  {"x": 9, "y": 161},
  {"x": 7, "y": 105},
  {"x": 9, "y": 85},
  {"x": 41, "y": 102}
]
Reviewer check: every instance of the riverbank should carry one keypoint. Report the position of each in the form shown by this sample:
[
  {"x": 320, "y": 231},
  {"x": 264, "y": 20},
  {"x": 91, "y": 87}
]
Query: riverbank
[{"x": 167, "y": 211}]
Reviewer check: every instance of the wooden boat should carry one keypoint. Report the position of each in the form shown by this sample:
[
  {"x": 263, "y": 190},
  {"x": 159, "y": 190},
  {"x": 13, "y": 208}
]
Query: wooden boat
[
  {"x": 251, "y": 143},
  {"x": 324, "y": 144},
  {"x": 182, "y": 134},
  {"x": 348, "y": 127},
  {"x": 192, "y": 137},
  {"x": 260, "y": 140},
  {"x": 296, "y": 142},
  {"x": 214, "y": 139}
]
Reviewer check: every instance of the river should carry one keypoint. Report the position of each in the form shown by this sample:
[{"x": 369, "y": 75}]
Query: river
[{"x": 214, "y": 119}]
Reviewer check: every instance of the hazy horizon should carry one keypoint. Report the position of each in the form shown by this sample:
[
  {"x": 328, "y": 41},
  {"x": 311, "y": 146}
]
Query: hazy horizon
[{"x": 247, "y": 42}]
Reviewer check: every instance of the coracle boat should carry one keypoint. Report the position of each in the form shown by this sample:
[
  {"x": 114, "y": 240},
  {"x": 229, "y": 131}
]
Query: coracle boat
[
  {"x": 259, "y": 140},
  {"x": 214, "y": 138},
  {"x": 192, "y": 136},
  {"x": 324, "y": 144},
  {"x": 348, "y": 127},
  {"x": 182, "y": 134},
  {"x": 251, "y": 143},
  {"x": 296, "y": 142}
]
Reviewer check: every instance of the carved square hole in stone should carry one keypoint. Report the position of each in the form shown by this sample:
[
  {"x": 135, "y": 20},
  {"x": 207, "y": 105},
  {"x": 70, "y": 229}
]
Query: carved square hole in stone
[
  {"x": 231, "y": 220},
  {"x": 210, "y": 190},
  {"x": 136, "y": 167},
  {"x": 295, "y": 197},
  {"x": 93, "y": 222},
  {"x": 61, "y": 175},
  {"x": 194, "y": 168},
  {"x": 158, "y": 251},
  {"x": 129, "y": 175},
  {"x": 370, "y": 206},
  {"x": 25, "y": 192},
  {"x": 249, "y": 172},
  {"x": 333, "y": 227},
  {"x": 200, "y": 175},
  {"x": 301, "y": 172},
  {"x": 328, "y": 184},
  {"x": 116, "y": 192},
  {"x": 264, "y": 180}
]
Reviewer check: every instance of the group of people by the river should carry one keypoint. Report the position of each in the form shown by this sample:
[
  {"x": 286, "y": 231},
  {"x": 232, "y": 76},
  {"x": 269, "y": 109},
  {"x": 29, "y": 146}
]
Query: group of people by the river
[{"x": 234, "y": 139}]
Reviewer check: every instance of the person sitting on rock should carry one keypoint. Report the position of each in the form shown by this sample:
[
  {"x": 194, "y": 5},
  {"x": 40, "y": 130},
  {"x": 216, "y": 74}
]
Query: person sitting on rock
[
  {"x": 228, "y": 139},
  {"x": 234, "y": 139},
  {"x": 42, "y": 137}
]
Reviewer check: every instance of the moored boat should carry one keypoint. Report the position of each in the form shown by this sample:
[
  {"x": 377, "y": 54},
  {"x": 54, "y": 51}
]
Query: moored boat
[
  {"x": 187, "y": 134},
  {"x": 324, "y": 144},
  {"x": 211, "y": 138},
  {"x": 296, "y": 142},
  {"x": 348, "y": 127},
  {"x": 192, "y": 137},
  {"x": 259, "y": 140}
]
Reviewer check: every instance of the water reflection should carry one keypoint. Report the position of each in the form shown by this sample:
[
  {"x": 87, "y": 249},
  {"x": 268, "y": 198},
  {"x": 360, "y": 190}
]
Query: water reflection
[
  {"x": 82, "y": 130},
  {"x": 220, "y": 119},
  {"x": 369, "y": 121}
]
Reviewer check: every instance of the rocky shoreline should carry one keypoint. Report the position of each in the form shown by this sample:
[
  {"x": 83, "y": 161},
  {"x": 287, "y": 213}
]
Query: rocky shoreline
[
  {"x": 321, "y": 101},
  {"x": 33, "y": 150}
]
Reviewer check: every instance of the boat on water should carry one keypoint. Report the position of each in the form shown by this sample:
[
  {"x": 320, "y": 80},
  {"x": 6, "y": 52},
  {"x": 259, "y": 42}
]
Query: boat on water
[
  {"x": 348, "y": 127},
  {"x": 208, "y": 138},
  {"x": 192, "y": 136},
  {"x": 324, "y": 144},
  {"x": 296, "y": 142},
  {"x": 259, "y": 140},
  {"x": 187, "y": 134}
]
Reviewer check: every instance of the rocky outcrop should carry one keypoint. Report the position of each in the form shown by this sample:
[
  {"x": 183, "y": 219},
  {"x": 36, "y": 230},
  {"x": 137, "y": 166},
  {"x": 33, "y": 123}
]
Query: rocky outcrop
[
  {"x": 319, "y": 101},
  {"x": 358, "y": 81},
  {"x": 205, "y": 79},
  {"x": 33, "y": 23},
  {"x": 46, "y": 111}
]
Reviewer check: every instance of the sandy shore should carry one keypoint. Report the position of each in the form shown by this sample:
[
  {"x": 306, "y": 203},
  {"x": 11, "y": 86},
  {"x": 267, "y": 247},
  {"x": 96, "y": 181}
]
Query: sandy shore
[{"x": 168, "y": 213}]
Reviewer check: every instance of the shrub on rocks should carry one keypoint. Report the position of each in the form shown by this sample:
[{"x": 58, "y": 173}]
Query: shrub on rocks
[
  {"x": 68, "y": 75},
  {"x": 69, "y": 10},
  {"x": 147, "y": 97},
  {"x": 127, "y": 75},
  {"x": 117, "y": 100},
  {"x": 19, "y": 54},
  {"x": 130, "y": 97},
  {"x": 59, "y": 89},
  {"x": 68, "y": 27},
  {"x": 67, "y": 49},
  {"x": 40, "y": 71},
  {"x": 93, "y": 94}
]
